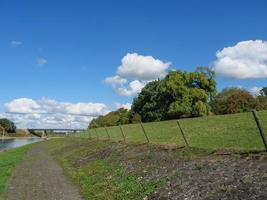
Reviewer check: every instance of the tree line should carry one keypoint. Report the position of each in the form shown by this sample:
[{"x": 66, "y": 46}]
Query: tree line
[{"x": 183, "y": 94}]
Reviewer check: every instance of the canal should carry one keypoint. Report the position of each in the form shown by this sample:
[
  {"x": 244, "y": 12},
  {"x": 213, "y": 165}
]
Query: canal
[{"x": 12, "y": 143}]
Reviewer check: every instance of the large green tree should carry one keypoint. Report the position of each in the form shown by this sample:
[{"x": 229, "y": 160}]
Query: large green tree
[
  {"x": 179, "y": 94},
  {"x": 8, "y": 125}
]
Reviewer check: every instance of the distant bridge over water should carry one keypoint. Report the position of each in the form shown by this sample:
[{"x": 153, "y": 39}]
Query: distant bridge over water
[{"x": 43, "y": 132}]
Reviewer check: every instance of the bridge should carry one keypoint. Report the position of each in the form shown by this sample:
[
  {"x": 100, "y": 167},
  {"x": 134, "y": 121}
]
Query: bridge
[{"x": 44, "y": 131}]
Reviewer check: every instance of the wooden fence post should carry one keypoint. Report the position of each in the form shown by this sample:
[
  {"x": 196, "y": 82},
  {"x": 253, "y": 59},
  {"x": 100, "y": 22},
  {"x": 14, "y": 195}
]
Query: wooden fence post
[
  {"x": 107, "y": 132},
  {"x": 144, "y": 131},
  {"x": 124, "y": 138},
  {"x": 182, "y": 132},
  {"x": 257, "y": 119}
]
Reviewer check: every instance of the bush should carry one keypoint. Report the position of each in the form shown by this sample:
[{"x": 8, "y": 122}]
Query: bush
[{"x": 234, "y": 100}]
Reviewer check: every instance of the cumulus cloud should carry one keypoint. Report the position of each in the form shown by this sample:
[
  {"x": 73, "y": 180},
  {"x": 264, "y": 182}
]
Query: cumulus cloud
[
  {"x": 115, "y": 80},
  {"x": 41, "y": 61},
  {"x": 132, "y": 90},
  {"x": 15, "y": 43},
  {"x": 22, "y": 105},
  {"x": 141, "y": 67},
  {"x": 134, "y": 72},
  {"x": 49, "y": 113},
  {"x": 245, "y": 60}
]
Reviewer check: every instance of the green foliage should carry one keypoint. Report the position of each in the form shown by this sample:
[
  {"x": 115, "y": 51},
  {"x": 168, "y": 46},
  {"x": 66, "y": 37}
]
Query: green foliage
[
  {"x": 118, "y": 117},
  {"x": 200, "y": 109},
  {"x": 136, "y": 118},
  {"x": 178, "y": 95},
  {"x": 8, "y": 125},
  {"x": 234, "y": 100}
]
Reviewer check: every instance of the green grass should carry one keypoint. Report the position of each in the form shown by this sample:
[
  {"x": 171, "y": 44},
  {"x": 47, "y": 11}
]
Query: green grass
[
  {"x": 8, "y": 161},
  {"x": 98, "y": 175},
  {"x": 236, "y": 131}
]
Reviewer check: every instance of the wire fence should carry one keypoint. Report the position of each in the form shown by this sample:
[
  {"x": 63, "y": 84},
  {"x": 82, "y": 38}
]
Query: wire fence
[{"x": 235, "y": 131}]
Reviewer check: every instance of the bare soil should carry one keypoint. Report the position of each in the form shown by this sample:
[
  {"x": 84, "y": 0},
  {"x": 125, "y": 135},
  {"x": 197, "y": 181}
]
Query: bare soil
[
  {"x": 200, "y": 176},
  {"x": 39, "y": 177}
]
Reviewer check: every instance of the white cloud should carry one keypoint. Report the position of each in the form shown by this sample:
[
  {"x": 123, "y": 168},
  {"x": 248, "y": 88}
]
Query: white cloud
[
  {"x": 41, "y": 61},
  {"x": 115, "y": 80},
  {"x": 140, "y": 67},
  {"x": 245, "y": 60},
  {"x": 134, "y": 72},
  {"x": 48, "y": 113},
  {"x": 22, "y": 105},
  {"x": 255, "y": 90},
  {"x": 15, "y": 43},
  {"x": 133, "y": 89}
]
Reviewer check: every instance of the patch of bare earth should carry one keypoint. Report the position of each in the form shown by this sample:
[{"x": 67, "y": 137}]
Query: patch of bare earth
[
  {"x": 39, "y": 177},
  {"x": 208, "y": 176}
]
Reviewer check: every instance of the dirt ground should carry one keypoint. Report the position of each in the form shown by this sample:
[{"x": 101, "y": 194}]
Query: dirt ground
[
  {"x": 196, "y": 177},
  {"x": 38, "y": 177}
]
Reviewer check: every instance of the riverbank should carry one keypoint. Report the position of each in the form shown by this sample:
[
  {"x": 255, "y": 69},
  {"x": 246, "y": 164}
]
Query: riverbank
[
  {"x": 16, "y": 137},
  {"x": 110, "y": 170}
]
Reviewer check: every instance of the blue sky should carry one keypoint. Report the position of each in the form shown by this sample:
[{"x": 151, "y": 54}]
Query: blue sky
[{"x": 64, "y": 50}]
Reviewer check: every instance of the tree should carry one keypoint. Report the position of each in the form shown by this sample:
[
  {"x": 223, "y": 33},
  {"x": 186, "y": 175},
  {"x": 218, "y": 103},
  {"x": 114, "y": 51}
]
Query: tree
[
  {"x": 234, "y": 100},
  {"x": 147, "y": 103},
  {"x": 8, "y": 125},
  {"x": 177, "y": 95}
]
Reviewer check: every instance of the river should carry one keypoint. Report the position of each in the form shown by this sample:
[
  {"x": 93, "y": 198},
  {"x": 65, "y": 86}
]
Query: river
[{"x": 12, "y": 143}]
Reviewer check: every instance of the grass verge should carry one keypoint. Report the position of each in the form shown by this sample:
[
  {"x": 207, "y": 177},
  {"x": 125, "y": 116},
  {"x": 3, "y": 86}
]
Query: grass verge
[{"x": 8, "y": 161}]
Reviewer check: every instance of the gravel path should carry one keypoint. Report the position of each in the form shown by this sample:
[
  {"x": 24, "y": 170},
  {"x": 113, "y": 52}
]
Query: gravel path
[{"x": 40, "y": 177}]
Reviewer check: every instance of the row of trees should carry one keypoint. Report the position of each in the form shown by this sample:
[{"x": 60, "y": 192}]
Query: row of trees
[
  {"x": 183, "y": 94},
  {"x": 8, "y": 125}
]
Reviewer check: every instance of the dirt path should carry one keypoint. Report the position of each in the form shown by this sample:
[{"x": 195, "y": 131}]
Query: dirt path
[{"x": 39, "y": 177}]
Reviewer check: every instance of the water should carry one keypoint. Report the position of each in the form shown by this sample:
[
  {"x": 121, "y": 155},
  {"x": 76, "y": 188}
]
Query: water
[{"x": 12, "y": 143}]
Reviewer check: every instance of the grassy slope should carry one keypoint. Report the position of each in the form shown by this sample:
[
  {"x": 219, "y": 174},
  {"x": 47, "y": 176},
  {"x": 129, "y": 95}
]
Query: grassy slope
[
  {"x": 237, "y": 131},
  {"x": 98, "y": 176},
  {"x": 8, "y": 161}
]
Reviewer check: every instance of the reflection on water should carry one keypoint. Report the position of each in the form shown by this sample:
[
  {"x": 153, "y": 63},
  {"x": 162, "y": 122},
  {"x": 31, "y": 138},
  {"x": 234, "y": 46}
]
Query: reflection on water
[{"x": 11, "y": 143}]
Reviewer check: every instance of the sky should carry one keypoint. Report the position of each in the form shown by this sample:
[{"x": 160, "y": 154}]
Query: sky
[{"x": 62, "y": 63}]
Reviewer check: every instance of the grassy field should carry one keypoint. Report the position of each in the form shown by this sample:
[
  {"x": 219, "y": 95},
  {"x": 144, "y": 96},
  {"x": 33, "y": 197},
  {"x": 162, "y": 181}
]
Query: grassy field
[
  {"x": 236, "y": 131},
  {"x": 8, "y": 161}
]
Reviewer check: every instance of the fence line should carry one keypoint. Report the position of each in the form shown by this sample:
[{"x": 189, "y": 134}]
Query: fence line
[{"x": 236, "y": 131}]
